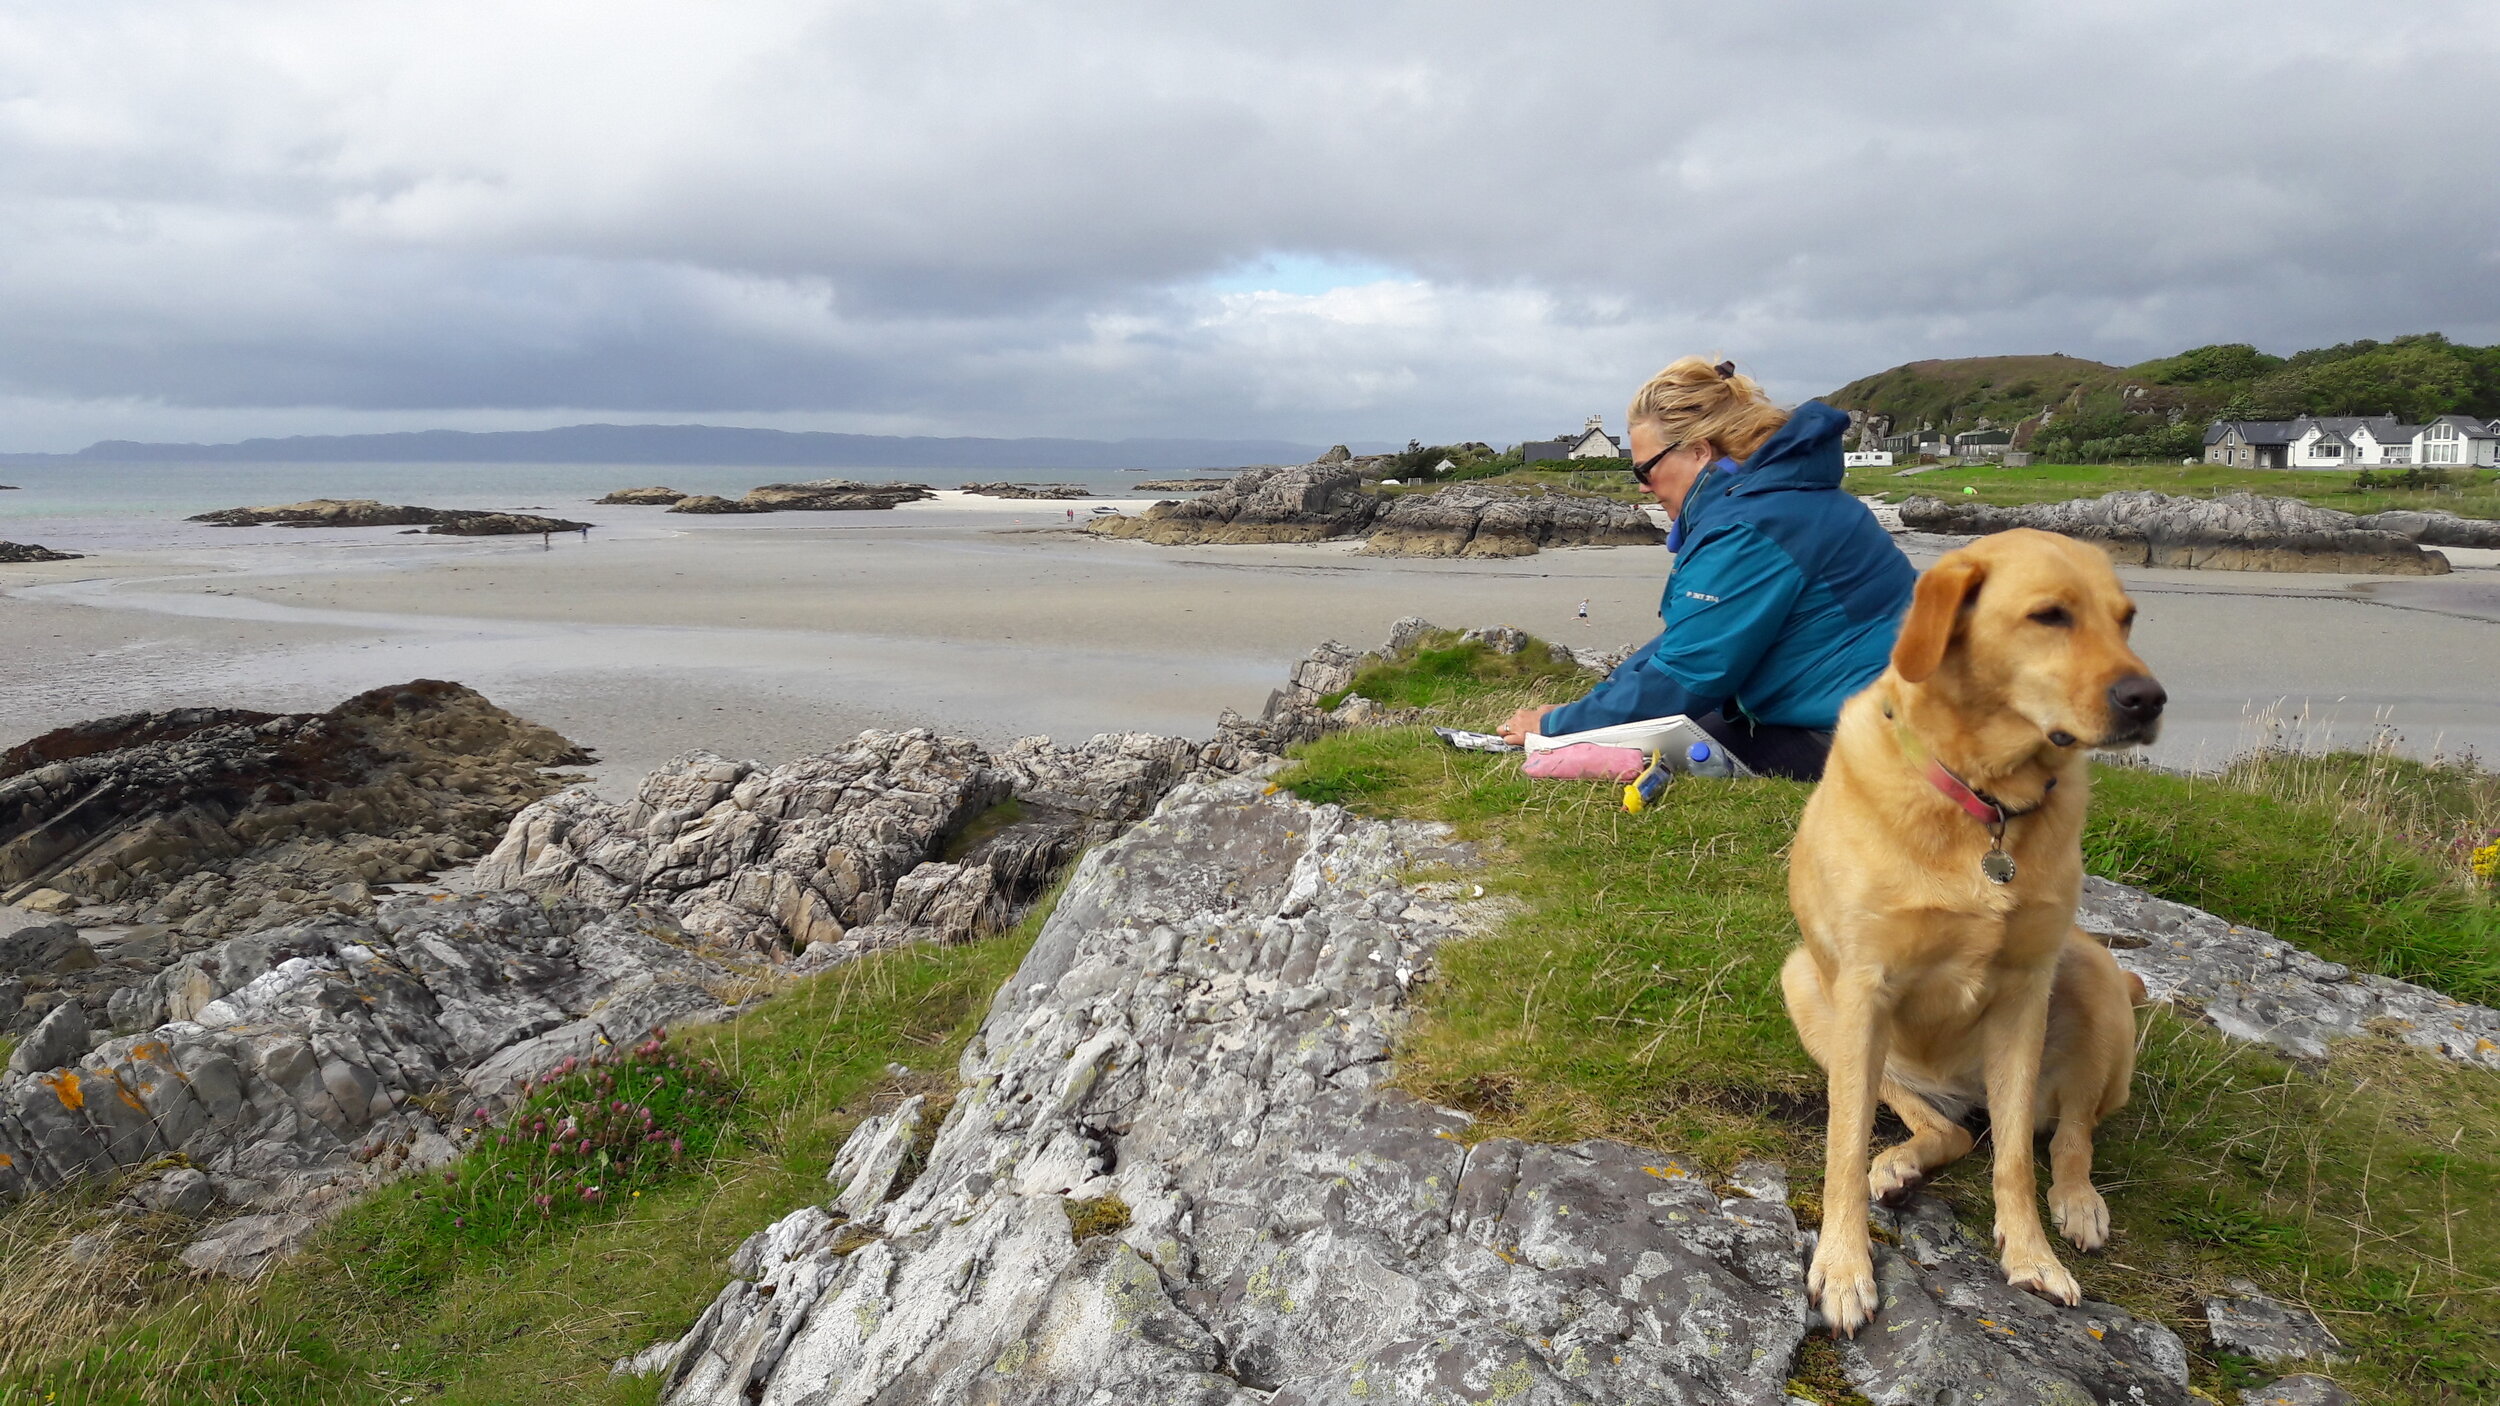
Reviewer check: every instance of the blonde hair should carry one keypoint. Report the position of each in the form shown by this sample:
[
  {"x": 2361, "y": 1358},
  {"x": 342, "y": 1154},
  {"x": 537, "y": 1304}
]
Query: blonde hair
[{"x": 1696, "y": 399}]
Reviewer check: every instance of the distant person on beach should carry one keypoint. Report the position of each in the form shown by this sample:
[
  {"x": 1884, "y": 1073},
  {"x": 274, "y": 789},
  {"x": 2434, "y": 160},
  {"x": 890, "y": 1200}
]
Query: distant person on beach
[
  {"x": 1786, "y": 593},
  {"x": 1584, "y": 610}
]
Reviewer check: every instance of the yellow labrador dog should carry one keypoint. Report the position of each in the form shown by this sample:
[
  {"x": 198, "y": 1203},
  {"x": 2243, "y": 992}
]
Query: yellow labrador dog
[{"x": 1935, "y": 877}]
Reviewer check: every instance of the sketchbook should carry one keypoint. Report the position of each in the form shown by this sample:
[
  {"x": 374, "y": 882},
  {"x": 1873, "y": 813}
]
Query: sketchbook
[{"x": 1673, "y": 736}]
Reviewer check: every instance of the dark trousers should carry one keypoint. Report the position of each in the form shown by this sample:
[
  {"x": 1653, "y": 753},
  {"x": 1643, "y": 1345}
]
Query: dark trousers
[{"x": 1770, "y": 749}]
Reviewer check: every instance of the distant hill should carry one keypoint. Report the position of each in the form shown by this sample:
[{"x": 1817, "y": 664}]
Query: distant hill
[
  {"x": 1956, "y": 394},
  {"x": 704, "y": 444},
  {"x": 2072, "y": 410}
]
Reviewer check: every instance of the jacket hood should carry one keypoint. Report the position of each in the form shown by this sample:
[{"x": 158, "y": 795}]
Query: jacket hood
[{"x": 1804, "y": 453}]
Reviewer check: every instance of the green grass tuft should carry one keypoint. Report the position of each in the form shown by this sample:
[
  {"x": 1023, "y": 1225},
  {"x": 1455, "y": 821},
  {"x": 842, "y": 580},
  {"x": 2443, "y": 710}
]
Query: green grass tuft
[{"x": 1091, "y": 1216}]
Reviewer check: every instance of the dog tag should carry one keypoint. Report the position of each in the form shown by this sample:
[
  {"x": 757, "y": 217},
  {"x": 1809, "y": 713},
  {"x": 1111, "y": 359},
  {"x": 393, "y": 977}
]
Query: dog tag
[{"x": 1998, "y": 866}]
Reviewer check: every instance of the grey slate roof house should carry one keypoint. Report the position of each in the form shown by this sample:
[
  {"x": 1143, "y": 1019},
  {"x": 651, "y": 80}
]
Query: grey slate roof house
[{"x": 2351, "y": 441}]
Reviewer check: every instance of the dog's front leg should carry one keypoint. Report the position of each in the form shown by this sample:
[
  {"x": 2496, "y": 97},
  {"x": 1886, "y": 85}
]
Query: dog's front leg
[
  {"x": 1842, "y": 1279},
  {"x": 2018, "y": 1028}
]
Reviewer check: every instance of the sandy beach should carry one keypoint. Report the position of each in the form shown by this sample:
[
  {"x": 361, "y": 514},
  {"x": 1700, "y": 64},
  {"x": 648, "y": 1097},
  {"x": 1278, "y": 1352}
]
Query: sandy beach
[{"x": 771, "y": 636}]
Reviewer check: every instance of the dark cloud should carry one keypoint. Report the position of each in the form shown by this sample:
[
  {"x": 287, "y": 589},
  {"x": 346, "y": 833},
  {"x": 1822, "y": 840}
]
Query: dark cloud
[{"x": 1008, "y": 220}]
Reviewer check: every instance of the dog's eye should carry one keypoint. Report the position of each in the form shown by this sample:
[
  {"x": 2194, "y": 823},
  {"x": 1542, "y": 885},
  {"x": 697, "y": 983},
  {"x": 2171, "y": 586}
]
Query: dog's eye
[{"x": 2053, "y": 615}]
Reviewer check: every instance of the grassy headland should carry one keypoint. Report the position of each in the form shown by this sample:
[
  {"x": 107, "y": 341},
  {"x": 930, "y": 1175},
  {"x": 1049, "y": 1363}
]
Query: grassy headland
[{"x": 1636, "y": 997}]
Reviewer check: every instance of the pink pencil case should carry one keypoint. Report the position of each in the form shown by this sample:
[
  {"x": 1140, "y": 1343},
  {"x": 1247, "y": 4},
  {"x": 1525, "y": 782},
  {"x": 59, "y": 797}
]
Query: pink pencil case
[{"x": 1587, "y": 761}]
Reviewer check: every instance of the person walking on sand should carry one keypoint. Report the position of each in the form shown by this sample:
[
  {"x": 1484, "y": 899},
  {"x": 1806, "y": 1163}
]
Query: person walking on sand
[
  {"x": 1786, "y": 593},
  {"x": 1584, "y": 611}
]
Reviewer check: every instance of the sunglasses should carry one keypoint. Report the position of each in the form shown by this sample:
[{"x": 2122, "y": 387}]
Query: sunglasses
[{"x": 1642, "y": 470}]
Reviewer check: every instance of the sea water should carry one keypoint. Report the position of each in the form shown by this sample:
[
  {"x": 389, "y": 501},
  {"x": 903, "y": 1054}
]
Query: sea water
[{"x": 82, "y": 506}]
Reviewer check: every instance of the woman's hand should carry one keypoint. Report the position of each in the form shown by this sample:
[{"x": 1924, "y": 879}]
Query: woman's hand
[{"x": 1524, "y": 722}]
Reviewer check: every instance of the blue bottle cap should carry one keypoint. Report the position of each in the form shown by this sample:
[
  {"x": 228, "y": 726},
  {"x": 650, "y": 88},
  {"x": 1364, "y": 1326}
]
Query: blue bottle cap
[{"x": 1699, "y": 752}]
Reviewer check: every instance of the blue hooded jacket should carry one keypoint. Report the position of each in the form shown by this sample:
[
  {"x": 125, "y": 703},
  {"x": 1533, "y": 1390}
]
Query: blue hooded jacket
[{"x": 1784, "y": 600}]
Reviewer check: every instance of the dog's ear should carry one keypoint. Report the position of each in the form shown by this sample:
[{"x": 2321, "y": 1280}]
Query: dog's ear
[{"x": 1935, "y": 608}]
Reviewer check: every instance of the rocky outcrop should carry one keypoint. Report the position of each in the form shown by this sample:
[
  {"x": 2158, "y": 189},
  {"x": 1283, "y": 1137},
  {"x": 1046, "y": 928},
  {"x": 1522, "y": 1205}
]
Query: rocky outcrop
[
  {"x": 1027, "y": 490},
  {"x": 1307, "y": 503},
  {"x": 1329, "y": 500},
  {"x": 2434, "y": 528},
  {"x": 1475, "y": 520},
  {"x": 642, "y": 498},
  {"x": 1184, "y": 485},
  {"x": 465, "y": 524},
  {"x": 1200, "y": 1039},
  {"x": 2252, "y": 986},
  {"x": 827, "y": 495},
  {"x": 14, "y": 553},
  {"x": 196, "y": 822},
  {"x": 2235, "y": 532},
  {"x": 296, "y": 1065},
  {"x": 833, "y": 495},
  {"x": 365, "y": 512},
  {"x": 900, "y": 837}
]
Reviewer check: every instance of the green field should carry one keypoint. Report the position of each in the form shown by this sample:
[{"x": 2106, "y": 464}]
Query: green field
[
  {"x": 2476, "y": 495},
  {"x": 2472, "y": 493}
]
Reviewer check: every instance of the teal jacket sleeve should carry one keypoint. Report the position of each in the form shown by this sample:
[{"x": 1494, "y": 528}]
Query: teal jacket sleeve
[{"x": 1727, "y": 603}]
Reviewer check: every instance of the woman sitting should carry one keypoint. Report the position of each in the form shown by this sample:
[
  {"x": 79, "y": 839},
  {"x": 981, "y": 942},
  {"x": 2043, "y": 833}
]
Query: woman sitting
[{"x": 1785, "y": 594}]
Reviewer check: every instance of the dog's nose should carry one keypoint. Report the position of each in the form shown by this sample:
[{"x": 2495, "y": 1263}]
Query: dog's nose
[{"x": 2138, "y": 698}]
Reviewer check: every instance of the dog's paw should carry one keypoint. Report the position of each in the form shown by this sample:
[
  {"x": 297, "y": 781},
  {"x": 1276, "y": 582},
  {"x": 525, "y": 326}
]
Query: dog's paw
[
  {"x": 2082, "y": 1216},
  {"x": 1894, "y": 1175},
  {"x": 2043, "y": 1275},
  {"x": 1841, "y": 1282}
]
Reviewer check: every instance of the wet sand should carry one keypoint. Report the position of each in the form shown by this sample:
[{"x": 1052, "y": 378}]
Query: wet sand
[{"x": 772, "y": 636}]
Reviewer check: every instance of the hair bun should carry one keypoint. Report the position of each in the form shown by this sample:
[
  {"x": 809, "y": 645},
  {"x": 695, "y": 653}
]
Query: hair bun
[{"x": 1726, "y": 370}]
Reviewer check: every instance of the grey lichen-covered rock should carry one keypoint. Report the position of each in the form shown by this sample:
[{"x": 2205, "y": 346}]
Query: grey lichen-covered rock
[
  {"x": 2247, "y": 1322},
  {"x": 41, "y": 944},
  {"x": 1305, "y": 503},
  {"x": 845, "y": 852},
  {"x": 55, "y": 1043},
  {"x": 247, "y": 1246},
  {"x": 2234, "y": 532},
  {"x": 181, "y": 1191},
  {"x": 2300, "y": 1389},
  {"x": 1951, "y": 1329},
  {"x": 863, "y": 1174},
  {"x": 1479, "y": 520},
  {"x": 2253, "y": 986},
  {"x": 213, "y": 820},
  {"x": 2435, "y": 528},
  {"x": 294, "y": 1075},
  {"x": 1202, "y": 1031}
]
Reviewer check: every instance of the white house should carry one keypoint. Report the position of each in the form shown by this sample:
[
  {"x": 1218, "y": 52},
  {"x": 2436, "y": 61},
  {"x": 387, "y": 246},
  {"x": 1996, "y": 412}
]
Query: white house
[
  {"x": 2458, "y": 441},
  {"x": 2351, "y": 442},
  {"x": 1867, "y": 459},
  {"x": 1594, "y": 442}
]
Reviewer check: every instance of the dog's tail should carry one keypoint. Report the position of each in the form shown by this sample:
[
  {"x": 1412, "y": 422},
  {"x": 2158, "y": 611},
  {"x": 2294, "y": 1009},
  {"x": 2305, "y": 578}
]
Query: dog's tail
[{"x": 2136, "y": 994}]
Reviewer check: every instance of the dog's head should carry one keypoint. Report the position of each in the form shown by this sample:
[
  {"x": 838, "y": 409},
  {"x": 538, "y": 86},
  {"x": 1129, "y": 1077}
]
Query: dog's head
[{"x": 2031, "y": 625}]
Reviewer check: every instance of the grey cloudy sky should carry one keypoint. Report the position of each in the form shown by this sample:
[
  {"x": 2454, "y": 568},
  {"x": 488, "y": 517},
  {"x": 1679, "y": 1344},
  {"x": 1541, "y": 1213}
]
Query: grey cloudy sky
[{"x": 1314, "y": 220}]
